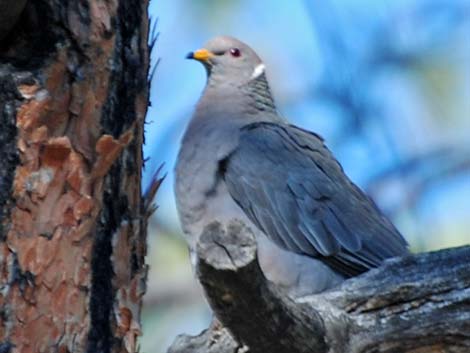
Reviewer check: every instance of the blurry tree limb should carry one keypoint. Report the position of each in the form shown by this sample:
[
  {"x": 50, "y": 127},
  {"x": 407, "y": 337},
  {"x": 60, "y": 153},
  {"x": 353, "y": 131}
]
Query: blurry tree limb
[
  {"x": 354, "y": 61},
  {"x": 420, "y": 173},
  {"x": 420, "y": 303}
]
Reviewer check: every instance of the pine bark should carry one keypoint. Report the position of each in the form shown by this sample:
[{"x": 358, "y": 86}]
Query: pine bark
[{"x": 73, "y": 98}]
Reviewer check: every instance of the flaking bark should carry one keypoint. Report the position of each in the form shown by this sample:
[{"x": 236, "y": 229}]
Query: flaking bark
[{"x": 73, "y": 98}]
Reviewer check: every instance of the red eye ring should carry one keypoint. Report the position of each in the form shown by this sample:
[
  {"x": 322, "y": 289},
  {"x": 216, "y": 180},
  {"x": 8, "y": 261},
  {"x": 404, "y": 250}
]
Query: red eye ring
[{"x": 235, "y": 52}]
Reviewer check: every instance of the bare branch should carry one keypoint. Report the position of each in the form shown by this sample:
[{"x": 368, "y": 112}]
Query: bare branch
[
  {"x": 234, "y": 285},
  {"x": 418, "y": 302}
]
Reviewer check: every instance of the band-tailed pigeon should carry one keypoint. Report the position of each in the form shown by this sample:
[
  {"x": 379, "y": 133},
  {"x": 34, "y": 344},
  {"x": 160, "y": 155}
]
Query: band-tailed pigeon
[{"x": 240, "y": 160}]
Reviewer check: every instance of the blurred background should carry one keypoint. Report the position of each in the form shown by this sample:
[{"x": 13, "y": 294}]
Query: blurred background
[{"x": 386, "y": 83}]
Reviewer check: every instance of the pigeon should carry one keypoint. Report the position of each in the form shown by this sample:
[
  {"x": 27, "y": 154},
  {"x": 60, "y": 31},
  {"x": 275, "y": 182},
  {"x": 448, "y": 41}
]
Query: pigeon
[{"x": 240, "y": 160}]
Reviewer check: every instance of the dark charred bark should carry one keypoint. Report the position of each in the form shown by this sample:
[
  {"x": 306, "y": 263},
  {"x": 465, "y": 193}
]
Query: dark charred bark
[{"x": 10, "y": 11}]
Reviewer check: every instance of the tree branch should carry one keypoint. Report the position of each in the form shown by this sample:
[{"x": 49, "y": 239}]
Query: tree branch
[{"x": 420, "y": 303}]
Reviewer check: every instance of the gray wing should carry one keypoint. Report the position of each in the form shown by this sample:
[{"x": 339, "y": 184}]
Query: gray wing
[{"x": 291, "y": 187}]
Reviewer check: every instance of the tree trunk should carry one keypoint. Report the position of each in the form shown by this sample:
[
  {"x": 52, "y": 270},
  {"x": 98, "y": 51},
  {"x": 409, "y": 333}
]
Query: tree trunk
[
  {"x": 73, "y": 97},
  {"x": 419, "y": 303}
]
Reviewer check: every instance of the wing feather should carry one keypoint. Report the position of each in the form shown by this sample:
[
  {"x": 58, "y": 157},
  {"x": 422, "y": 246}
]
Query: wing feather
[{"x": 289, "y": 184}]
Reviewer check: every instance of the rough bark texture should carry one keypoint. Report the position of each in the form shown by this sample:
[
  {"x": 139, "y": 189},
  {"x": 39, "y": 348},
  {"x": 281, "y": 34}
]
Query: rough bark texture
[
  {"x": 216, "y": 339},
  {"x": 418, "y": 304},
  {"x": 73, "y": 97}
]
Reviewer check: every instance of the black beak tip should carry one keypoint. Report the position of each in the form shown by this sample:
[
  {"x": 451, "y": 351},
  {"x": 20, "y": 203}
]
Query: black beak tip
[{"x": 190, "y": 55}]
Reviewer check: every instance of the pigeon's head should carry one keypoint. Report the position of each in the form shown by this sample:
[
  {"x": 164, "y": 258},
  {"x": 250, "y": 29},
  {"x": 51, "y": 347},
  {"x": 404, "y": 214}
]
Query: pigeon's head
[{"x": 228, "y": 60}]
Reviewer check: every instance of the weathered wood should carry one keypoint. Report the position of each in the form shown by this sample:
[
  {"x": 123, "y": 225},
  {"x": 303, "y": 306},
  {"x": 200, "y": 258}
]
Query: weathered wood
[
  {"x": 228, "y": 257},
  {"x": 420, "y": 303},
  {"x": 215, "y": 339}
]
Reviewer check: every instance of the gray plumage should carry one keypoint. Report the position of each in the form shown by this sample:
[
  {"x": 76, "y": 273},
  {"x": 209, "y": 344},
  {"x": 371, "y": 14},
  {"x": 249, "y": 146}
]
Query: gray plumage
[{"x": 240, "y": 160}]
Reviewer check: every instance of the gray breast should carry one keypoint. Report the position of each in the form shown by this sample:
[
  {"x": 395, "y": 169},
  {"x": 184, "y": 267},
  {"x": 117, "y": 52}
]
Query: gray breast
[
  {"x": 202, "y": 198},
  {"x": 206, "y": 200},
  {"x": 197, "y": 183}
]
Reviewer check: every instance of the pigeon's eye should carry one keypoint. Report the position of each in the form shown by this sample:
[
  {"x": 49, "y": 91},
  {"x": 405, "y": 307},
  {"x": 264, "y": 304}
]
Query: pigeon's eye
[{"x": 235, "y": 52}]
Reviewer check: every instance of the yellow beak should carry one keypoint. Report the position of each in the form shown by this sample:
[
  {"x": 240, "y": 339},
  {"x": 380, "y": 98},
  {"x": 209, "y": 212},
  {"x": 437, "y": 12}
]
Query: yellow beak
[{"x": 200, "y": 55}]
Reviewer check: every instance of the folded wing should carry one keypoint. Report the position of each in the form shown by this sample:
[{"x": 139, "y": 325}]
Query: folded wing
[{"x": 290, "y": 186}]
